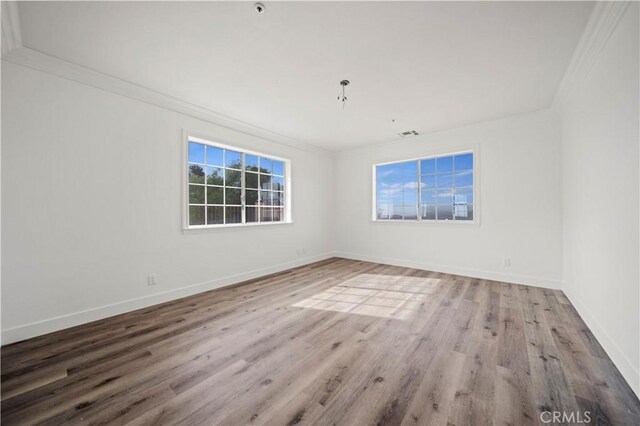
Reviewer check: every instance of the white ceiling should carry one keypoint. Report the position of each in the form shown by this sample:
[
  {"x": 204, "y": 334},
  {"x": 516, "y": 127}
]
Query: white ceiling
[{"x": 428, "y": 65}]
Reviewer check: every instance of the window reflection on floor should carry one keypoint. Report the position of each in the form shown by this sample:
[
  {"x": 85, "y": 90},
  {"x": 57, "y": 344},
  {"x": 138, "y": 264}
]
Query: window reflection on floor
[{"x": 386, "y": 296}]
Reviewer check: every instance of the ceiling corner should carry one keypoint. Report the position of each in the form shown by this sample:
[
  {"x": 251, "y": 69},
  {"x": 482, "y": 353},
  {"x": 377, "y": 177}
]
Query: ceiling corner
[
  {"x": 11, "y": 35},
  {"x": 603, "y": 21}
]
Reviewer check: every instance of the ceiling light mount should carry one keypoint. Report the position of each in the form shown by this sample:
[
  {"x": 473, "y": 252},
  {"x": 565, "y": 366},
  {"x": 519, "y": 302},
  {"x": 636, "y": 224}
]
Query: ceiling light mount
[
  {"x": 408, "y": 133},
  {"x": 259, "y": 8},
  {"x": 343, "y": 98}
]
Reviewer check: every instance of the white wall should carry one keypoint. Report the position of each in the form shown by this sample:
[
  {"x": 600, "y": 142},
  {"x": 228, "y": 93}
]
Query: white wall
[
  {"x": 519, "y": 196},
  {"x": 601, "y": 185},
  {"x": 91, "y": 204}
]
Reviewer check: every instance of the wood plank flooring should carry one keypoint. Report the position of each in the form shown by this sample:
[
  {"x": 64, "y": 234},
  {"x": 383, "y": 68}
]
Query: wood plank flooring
[{"x": 336, "y": 342}]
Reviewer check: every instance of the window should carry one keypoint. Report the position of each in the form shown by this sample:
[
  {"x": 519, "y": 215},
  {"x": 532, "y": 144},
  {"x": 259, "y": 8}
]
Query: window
[
  {"x": 432, "y": 189},
  {"x": 229, "y": 186}
]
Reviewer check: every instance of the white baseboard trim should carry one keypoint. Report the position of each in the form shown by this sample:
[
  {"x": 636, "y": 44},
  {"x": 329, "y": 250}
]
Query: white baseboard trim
[
  {"x": 456, "y": 270},
  {"x": 624, "y": 365},
  {"x": 38, "y": 328}
]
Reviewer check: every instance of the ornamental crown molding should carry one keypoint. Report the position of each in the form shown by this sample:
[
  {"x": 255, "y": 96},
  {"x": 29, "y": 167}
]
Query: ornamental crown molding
[
  {"x": 14, "y": 52},
  {"x": 11, "y": 36},
  {"x": 601, "y": 24},
  {"x": 33, "y": 59}
]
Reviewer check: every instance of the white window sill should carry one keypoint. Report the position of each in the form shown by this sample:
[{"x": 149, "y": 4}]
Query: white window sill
[
  {"x": 235, "y": 226},
  {"x": 430, "y": 222}
]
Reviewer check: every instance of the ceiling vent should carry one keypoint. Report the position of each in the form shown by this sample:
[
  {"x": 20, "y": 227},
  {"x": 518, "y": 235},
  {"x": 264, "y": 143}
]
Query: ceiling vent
[{"x": 408, "y": 133}]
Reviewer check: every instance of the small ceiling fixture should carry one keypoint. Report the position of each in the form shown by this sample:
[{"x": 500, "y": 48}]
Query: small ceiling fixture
[
  {"x": 408, "y": 133},
  {"x": 259, "y": 8},
  {"x": 343, "y": 98}
]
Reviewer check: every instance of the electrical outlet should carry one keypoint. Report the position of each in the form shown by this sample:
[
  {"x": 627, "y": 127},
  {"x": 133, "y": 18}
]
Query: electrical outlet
[
  {"x": 506, "y": 261},
  {"x": 151, "y": 279}
]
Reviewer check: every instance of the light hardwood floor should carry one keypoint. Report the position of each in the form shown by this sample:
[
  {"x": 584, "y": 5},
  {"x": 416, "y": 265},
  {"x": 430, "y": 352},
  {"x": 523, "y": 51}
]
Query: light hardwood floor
[{"x": 336, "y": 342}]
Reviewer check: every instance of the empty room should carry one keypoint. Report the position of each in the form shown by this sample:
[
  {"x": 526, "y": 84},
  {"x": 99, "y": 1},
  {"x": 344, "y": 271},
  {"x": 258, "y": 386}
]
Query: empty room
[{"x": 320, "y": 213}]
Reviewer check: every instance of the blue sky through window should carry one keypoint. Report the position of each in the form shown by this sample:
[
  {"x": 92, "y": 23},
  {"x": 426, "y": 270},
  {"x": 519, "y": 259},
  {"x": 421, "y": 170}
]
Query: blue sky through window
[{"x": 438, "y": 188}]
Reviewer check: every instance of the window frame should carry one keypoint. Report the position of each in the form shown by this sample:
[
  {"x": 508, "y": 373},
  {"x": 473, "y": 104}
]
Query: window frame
[
  {"x": 438, "y": 154},
  {"x": 205, "y": 140}
]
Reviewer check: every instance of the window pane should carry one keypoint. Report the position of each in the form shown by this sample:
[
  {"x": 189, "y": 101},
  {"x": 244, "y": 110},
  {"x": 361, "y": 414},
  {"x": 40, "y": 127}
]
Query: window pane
[
  {"x": 410, "y": 169},
  {"x": 411, "y": 197},
  {"x": 382, "y": 182},
  {"x": 410, "y": 212},
  {"x": 444, "y": 165},
  {"x": 214, "y": 156},
  {"x": 463, "y": 211},
  {"x": 196, "y": 195},
  {"x": 428, "y": 181},
  {"x": 429, "y": 212},
  {"x": 214, "y": 195},
  {"x": 382, "y": 197},
  {"x": 251, "y": 180},
  {"x": 395, "y": 196},
  {"x": 278, "y": 198},
  {"x": 278, "y": 214},
  {"x": 215, "y": 176},
  {"x": 265, "y": 181},
  {"x": 232, "y": 196},
  {"x": 266, "y": 198},
  {"x": 393, "y": 184},
  {"x": 464, "y": 195},
  {"x": 266, "y": 214},
  {"x": 404, "y": 185},
  {"x": 278, "y": 183},
  {"x": 393, "y": 200},
  {"x": 444, "y": 212},
  {"x": 445, "y": 181},
  {"x": 265, "y": 165},
  {"x": 251, "y": 197},
  {"x": 396, "y": 211},
  {"x": 215, "y": 215},
  {"x": 232, "y": 159},
  {"x": 463, "y": 161},
  {"x": 196, "y": 153},
  {"x": 233, "y": 178},
  {"x": 252, "y": 214},
  {"x": 233, "y": 215},
  {"x": 196, "y": 173},
  {"x": 278, "y": 168},
  {"x": 196, "y": 215},
  {"x": 384, "y": 172},
  {"x": 409, "y": 182},
  {"x": 428, "y": 167},
  {"x": 445, "y": 196},
  {"x": 463, "y": 205},
  {"x": 383, "y": 210},
  {"x": 397, "y": 171},
  {"x": 464, "y": 178},
  {"x": 250, "y": 162},
  {"x": 428, "y": 197}
]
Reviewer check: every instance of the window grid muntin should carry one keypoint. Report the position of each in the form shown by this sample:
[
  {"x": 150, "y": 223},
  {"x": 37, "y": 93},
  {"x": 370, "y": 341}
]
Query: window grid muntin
[
  {"x": 421, "y": 208},
  {"x": 270, "y": 210}
]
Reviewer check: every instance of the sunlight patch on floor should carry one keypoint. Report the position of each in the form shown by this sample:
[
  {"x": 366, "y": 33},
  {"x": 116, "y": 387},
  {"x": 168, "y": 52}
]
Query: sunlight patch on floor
[{"x": 386, "y": 296}]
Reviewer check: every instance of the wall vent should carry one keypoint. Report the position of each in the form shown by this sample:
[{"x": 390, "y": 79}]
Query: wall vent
[{"x": 408, "y": 133}]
